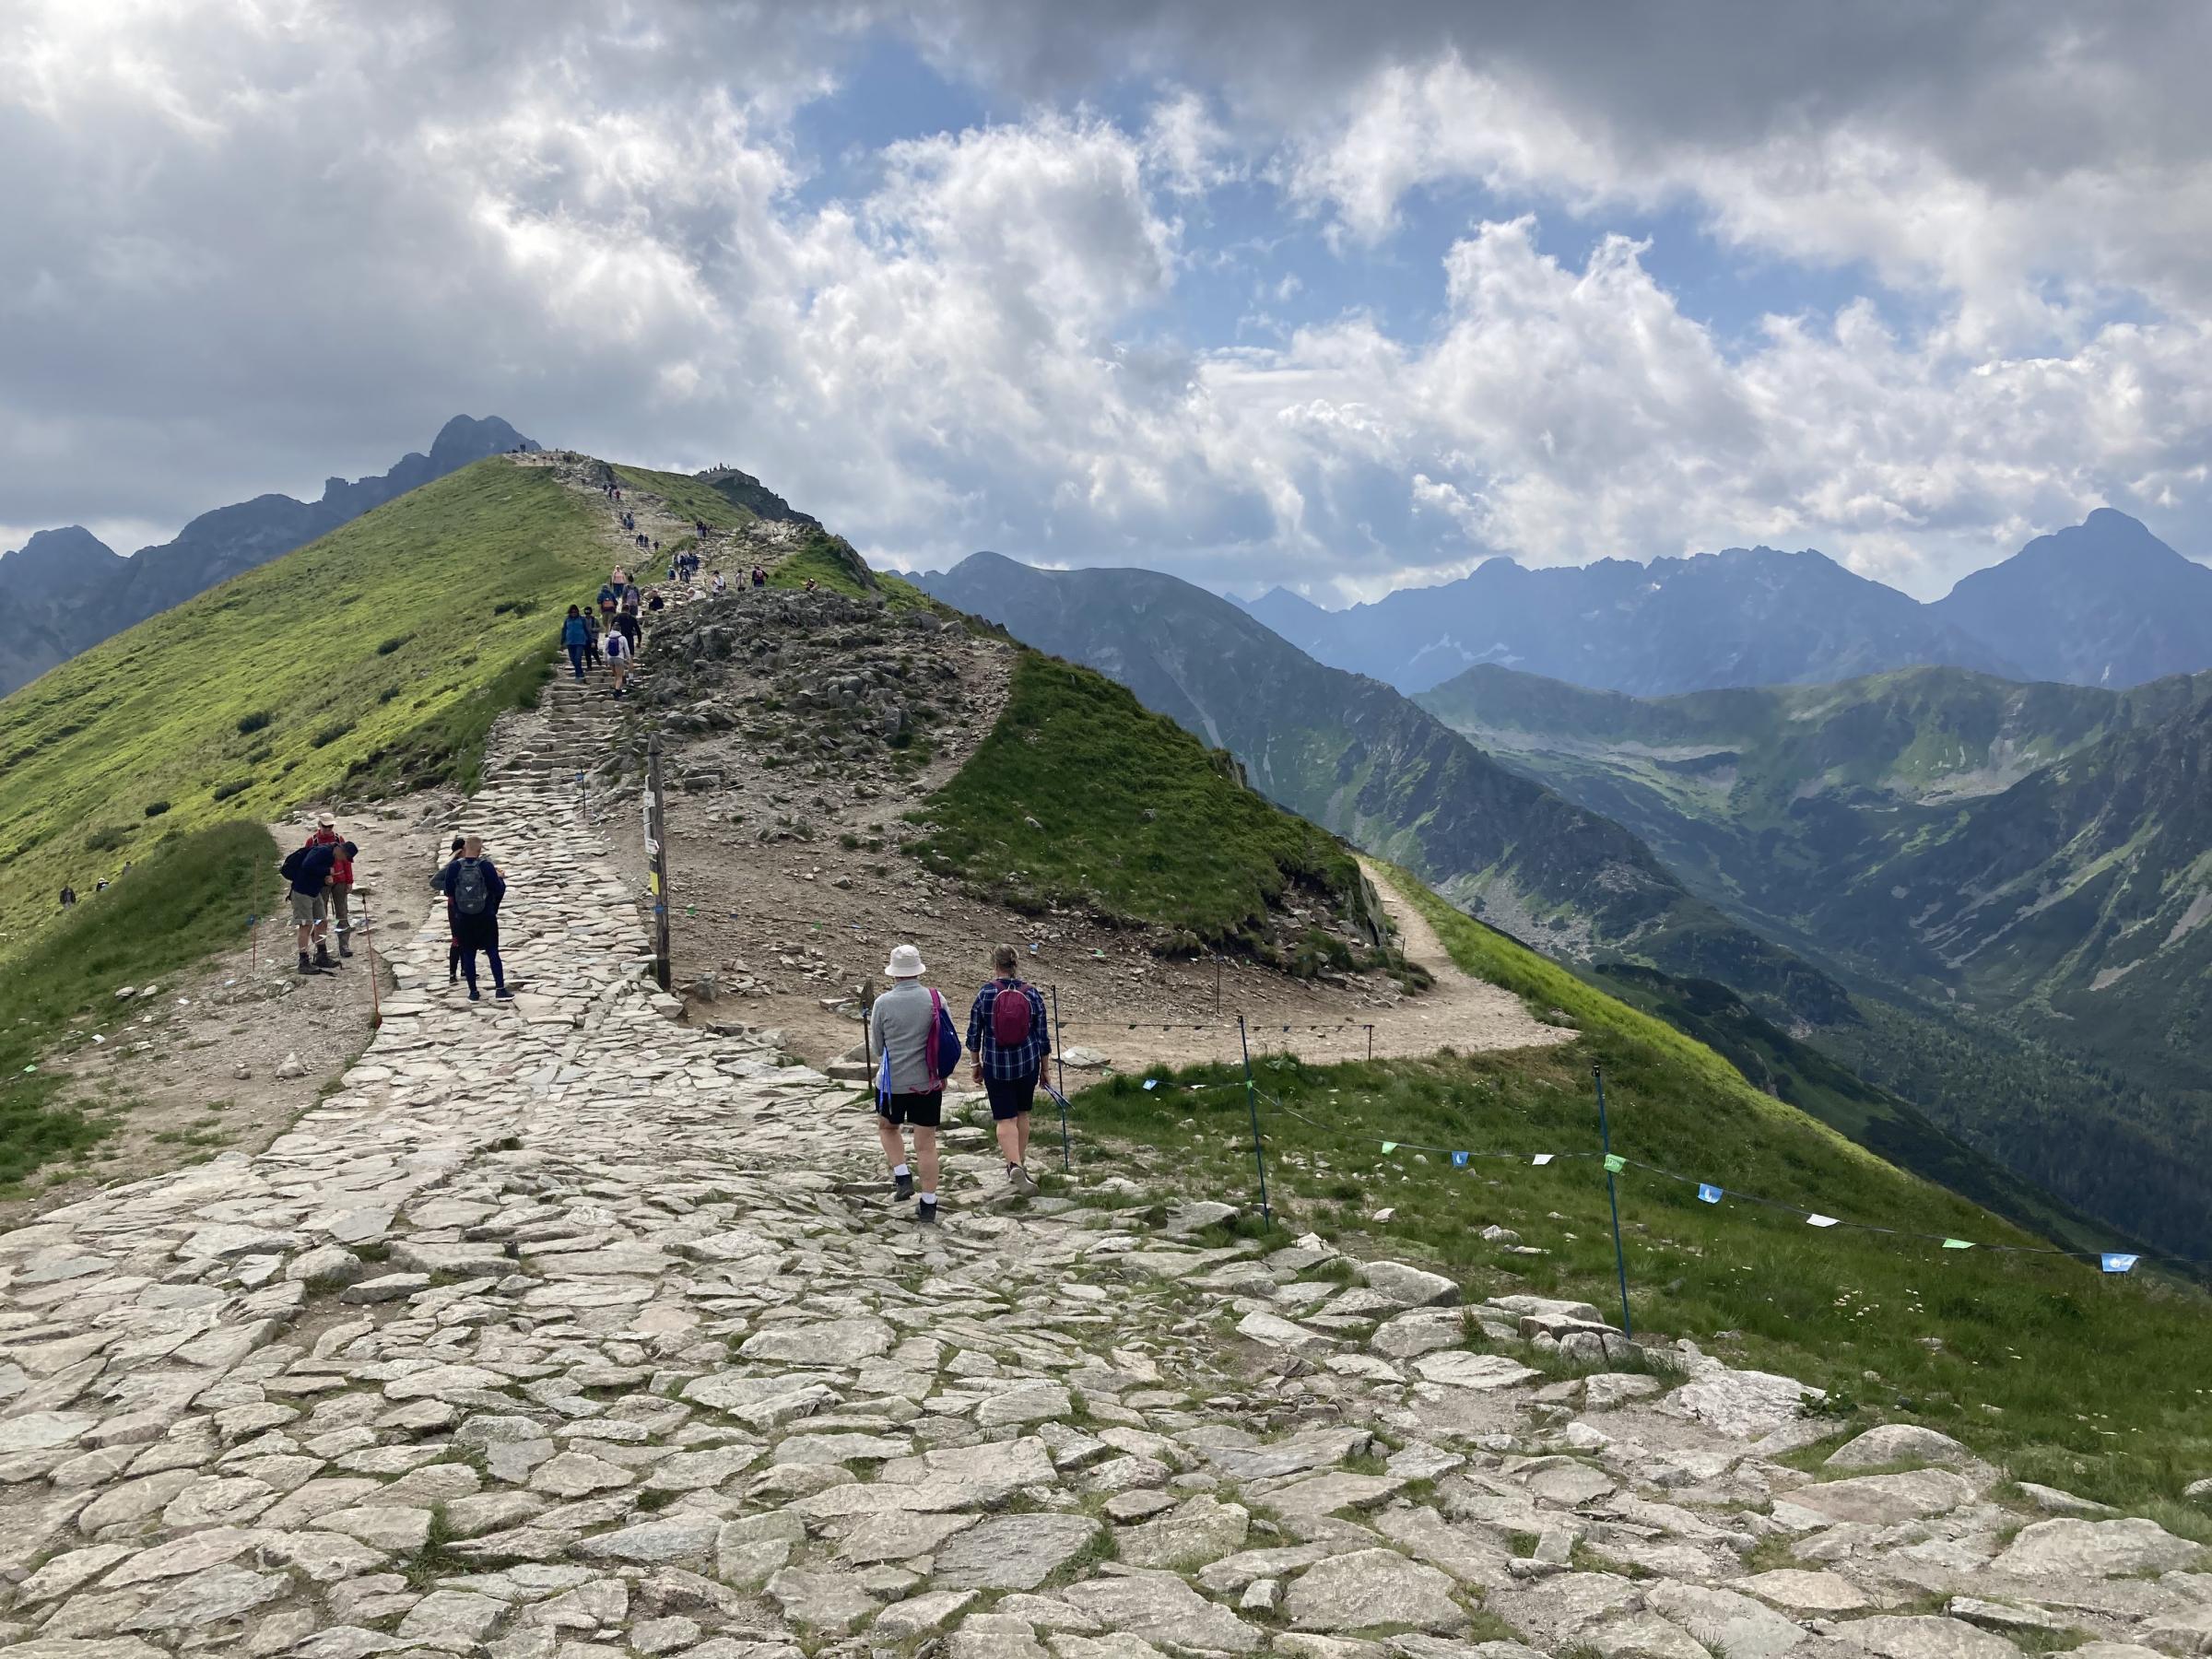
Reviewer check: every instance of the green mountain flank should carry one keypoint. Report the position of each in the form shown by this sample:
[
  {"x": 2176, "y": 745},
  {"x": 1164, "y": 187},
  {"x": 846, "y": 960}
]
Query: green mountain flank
[
  {"x": 2021, "y": 872},
  {"x": 2037, "y": 1362},
  {"x": 1358, "y": 758},
  {"x": 372, "y": 660}
]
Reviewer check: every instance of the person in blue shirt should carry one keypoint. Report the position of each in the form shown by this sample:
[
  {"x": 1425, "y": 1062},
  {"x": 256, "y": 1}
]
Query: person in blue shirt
[
  {"x": 574, "y": 635},
  {"x": 1007, "y": 1035}
]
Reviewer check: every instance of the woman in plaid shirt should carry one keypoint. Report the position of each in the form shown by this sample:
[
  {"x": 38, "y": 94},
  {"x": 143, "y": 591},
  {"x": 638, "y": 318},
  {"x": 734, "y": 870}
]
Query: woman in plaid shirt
[{"x": 1010, "y": 1044}]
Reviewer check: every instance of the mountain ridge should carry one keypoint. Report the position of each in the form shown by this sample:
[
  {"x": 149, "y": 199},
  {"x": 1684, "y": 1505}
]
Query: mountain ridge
[
  {"x": 69, "y": 598},
  {"x": 1756, "y": 616}
]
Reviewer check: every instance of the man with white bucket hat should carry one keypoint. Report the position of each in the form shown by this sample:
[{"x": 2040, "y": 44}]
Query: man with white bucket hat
[{"x": 905, "y": 1027}]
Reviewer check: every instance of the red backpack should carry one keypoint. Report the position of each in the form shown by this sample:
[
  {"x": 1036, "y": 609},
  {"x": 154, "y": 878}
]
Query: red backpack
[{"x": 1010, "y": 1014}]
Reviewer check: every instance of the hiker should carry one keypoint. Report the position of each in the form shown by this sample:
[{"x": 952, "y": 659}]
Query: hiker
[
  {"x": 340, "y": 896},
  {"x": 100, "y": 886},
  {"x": 653, "y": 602},
  {"x": 68, "y": 896},
  {"x": 473, "y": 888},
  {"x": 759, "y": 577},
  {"x": 573, "y": 635},
  {"x": 910, "y": 1028},
  {"x": 452, "y": 931},
  {"x": 719, "y": 585},
  {"x": 308, "y": 870},
  {"x": 325, "y": 834},
  {"x": 590, "y": 640},
  {"x": 1006, "y": 1034},
  {"x": 618, "y": 651}
]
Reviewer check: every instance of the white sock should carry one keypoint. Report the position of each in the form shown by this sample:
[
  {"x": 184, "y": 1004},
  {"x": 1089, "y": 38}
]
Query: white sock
[
  {"x": 929, "y": 1197},
  {"x": 900, "y": 1170}
]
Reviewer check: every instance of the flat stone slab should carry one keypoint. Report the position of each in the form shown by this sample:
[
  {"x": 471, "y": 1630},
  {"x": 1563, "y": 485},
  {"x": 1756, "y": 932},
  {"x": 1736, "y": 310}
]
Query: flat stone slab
[
  {"x": 1012, "y": 1552},
  {"x": 1459, "y": 1369},
  {"x": 1370, "y": 1587},
  {"x": 2068, "y": 1547}
]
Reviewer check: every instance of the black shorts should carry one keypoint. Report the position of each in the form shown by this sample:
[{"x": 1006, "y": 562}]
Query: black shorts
[
  {"x": 922, "y": 1110},
  {"x": 1010, "y": 1097}
]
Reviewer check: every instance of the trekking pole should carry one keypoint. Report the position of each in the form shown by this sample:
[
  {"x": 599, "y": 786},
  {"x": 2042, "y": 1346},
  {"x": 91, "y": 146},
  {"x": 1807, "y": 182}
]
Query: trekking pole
[
  {"x": 1621, "y": 1266},
  {"x": 1066, "y": 1160},
  {"x": 376, "y": 1010},
  {"x": 1251, "y": 1103}
]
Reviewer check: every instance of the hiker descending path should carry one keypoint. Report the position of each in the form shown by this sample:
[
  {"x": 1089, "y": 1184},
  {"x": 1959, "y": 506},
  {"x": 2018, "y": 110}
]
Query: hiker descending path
[{"x": 563, "y": 1330}]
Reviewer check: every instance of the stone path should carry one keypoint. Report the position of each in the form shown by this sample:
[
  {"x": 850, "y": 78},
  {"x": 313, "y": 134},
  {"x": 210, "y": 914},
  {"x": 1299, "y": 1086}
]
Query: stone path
[{"x": 563, "y": 1331}]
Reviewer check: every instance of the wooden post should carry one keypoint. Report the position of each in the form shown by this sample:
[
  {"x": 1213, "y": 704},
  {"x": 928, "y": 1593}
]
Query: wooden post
[{"x": 657, "y": 851}]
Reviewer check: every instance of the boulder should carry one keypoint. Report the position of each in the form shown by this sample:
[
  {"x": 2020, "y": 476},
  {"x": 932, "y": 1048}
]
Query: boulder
[
  {"x": 1899, "y": 1444},
  {"x": 1410, "y": 1287}
]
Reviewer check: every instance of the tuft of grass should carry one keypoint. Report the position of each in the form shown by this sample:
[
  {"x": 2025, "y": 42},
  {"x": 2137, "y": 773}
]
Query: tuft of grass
[
  {"x": 170, "y": 704},
  {"x": 187, "y": 899},
  {"x": 1139, "y": 822}
]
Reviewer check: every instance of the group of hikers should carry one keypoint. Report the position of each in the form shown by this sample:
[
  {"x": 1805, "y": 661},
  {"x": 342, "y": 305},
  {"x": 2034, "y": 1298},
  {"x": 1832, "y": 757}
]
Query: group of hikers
[
  {"x": 910, "y": 1028},
  {"x": 320, "y": 873},
  {"x": 611, "y": 631}
]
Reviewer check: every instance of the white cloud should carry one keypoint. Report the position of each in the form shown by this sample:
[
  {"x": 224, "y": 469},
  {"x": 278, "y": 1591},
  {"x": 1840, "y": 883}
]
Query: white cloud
[{"x": 252, "y": 245}]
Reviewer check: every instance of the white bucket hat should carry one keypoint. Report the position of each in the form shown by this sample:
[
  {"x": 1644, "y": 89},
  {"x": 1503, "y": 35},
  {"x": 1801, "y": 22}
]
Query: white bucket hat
[{"x": 906, "y": 963}]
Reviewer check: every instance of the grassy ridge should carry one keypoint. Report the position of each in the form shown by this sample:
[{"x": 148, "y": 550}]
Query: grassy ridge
[
  {"x": 2100, "y": 1384},
  {"x": 1133, "y": 817},
  {"x": 374, "y": 658},
  {"x": 188, "y": 898}
]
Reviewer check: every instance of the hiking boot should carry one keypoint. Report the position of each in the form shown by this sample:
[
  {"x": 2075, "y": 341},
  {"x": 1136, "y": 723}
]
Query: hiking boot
[
  {"x": 306, "y": 966},
  {"x": 902, "y": 1186},
  {"x": 926, "y": 1213},
  {"x": 344, "y": 948},
  {"x": 322, "y": 960},
  {"x": 1018, "y": 1179}
]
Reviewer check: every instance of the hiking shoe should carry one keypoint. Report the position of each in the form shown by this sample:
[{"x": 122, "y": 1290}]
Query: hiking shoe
[
  {"x": 902, "y": 1187},
  {"x": 306, "y": 966},
  {"x": 925, "y": 1212},
  {"x": 472, "y": 994},
  {"x": 1018, "y": 1179},
  {"x": 503, "y": 994}
]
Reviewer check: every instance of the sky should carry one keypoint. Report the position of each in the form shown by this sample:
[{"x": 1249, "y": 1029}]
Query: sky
[{"x": 1339, "y": 298}]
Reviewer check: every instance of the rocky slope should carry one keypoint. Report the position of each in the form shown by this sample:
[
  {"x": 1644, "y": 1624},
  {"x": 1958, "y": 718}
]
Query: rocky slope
[{"x": 68, "y": 591}]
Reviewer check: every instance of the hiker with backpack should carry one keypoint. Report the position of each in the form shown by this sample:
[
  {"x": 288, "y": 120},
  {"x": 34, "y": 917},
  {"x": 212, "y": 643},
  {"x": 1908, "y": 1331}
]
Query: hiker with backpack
[
  {"x": 618, "y": 650},
  {"x": 1007, "y": 1035},
  {"x": 308, "y": 870},
  {"x": 452, "y": 928},
  {"x": 909, "y": 1028},
  {"x": 473, "y": 888}
]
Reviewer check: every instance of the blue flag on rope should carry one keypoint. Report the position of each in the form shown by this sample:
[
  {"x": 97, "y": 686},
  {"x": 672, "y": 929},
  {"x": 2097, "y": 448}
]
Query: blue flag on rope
[
  {"x": 2113, "y": 1263},
  {"x": 1053, "y": 1092},
  {"x": 1706, "y": 1191},
  {"x": 1150, "y": 1083},
  {"x": 1459, "y": 1160}
]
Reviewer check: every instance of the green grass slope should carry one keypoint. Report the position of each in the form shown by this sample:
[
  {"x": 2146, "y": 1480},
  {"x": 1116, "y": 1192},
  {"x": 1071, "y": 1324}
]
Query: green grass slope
[
  {"x": 2091, "y": 1383},
  {"x": 374, "y": 658},
  {"x": 1134, "y": 818},
  {"x": 189, "y": 897}
]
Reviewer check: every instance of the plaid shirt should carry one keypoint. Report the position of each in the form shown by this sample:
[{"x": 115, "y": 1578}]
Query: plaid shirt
[{"x": 1005, "y": 1063}]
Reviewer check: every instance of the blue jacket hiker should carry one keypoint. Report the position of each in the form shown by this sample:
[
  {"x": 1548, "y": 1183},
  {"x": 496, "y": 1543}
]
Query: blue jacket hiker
[
  {"x": 1009, "y": 1037},
  {"x": 575, "y": 636}
]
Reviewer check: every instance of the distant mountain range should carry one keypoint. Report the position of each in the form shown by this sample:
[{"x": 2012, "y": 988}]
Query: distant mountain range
[
  {"x": 2104, "y": 602},
  {"x": 1358, "y": 758},
  {"x": 65, "y": 589}
]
